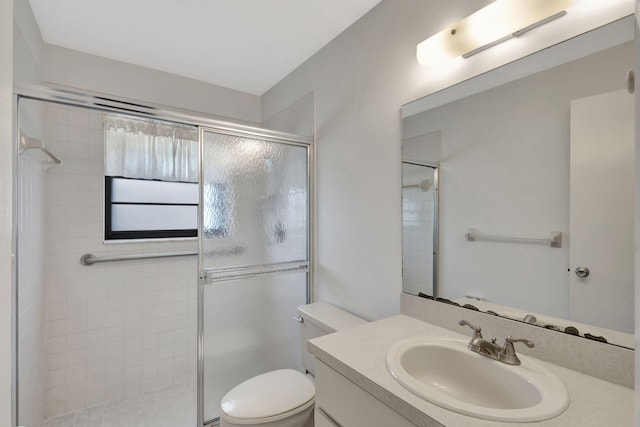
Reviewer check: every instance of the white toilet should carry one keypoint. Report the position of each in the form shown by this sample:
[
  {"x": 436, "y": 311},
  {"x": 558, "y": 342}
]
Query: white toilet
[{"x": 286, "y": 397}]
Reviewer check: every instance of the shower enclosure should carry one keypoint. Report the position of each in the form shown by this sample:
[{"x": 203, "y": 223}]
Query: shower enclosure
[
  {"x": 114, "y": 332},
  {"x": 419, "y": 228}
]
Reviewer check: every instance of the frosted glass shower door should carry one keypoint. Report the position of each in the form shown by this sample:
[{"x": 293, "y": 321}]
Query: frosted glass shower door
[{"x": 253, "y": 257}]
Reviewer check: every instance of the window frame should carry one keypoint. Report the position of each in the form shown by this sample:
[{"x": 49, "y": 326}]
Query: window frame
[{"x": 111, "y": 235}]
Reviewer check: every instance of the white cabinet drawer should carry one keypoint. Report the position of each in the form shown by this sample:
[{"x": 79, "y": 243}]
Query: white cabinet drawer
[{"x": 347, "y": 405}]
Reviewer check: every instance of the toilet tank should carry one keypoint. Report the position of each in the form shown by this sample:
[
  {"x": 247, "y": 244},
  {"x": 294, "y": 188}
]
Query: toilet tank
[{"x": 320, "y": 319}]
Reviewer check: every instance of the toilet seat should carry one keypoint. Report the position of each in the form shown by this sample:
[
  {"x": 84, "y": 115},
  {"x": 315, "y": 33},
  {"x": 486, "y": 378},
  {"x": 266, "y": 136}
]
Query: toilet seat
[{"x": 268, "y": 397}]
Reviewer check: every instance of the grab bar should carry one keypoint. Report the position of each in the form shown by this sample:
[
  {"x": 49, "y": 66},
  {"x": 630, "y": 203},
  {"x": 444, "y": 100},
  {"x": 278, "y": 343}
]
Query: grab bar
[
  {"x": 90, "y": 259},
  {"x": 234, "y": 273},
  {"x": 554, "y": 240}
]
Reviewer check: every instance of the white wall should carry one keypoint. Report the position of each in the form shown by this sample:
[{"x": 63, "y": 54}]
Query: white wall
[
  {"x": 297, "y": 118},
  {"x": 6, "y": 170},
  {"x": 419, "y": 147},
  {"x": 27, "y": 46},
  {"x": 79, "y": 70},
  {"x": 360, "y": 81}
]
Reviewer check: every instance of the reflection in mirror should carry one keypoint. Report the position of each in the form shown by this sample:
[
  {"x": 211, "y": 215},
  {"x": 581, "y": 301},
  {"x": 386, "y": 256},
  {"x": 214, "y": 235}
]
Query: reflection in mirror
[
  {"x": 419, "y": 228},
  {"x": 549, "y": 152}
]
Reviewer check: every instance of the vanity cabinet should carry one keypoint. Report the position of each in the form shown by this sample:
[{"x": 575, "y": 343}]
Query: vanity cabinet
[{"x": 341, "y": 403}]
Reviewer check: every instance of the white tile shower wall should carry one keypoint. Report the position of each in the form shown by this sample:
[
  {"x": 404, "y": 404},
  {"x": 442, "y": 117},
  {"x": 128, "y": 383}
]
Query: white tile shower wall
[
  {"x": 417, "y": 240},
  {"x": 31, "y": 338},
  {"x": 114, "y": 330}
]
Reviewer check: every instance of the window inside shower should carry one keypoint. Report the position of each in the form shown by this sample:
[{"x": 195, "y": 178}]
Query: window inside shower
[
  {"x": 151, "y": 178},
  {"x": 149, "y": 209}
]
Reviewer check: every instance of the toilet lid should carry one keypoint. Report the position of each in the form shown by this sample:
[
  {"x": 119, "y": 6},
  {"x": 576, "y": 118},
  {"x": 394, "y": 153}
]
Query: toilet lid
[{"x": 268, "y": 395}]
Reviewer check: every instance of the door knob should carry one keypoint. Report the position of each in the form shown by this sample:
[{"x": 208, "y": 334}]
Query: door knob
[{"x": 582, "y": 272}]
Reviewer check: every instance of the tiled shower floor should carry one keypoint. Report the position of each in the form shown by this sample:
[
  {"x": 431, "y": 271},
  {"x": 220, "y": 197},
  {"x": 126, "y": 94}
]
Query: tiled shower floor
[{"x": 173, "y": 406}]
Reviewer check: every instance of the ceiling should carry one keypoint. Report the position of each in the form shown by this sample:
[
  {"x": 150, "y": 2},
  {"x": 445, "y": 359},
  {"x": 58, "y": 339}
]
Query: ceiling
[{"x": 247, "y": 45}]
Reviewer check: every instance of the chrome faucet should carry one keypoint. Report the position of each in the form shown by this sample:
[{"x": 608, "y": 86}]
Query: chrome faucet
[{"x": 505, "y": 354}]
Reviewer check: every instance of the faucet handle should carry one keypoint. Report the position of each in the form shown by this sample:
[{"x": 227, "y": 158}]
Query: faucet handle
[
  {"x": 508, "y": 353},
  {"x": 510, "y": 340},
  {"x": 477, "y": 330}
]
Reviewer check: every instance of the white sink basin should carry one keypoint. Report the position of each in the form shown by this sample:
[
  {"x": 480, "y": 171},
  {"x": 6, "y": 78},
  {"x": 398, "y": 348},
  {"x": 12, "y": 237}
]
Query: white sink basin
[{"x": 446, "y": 373}]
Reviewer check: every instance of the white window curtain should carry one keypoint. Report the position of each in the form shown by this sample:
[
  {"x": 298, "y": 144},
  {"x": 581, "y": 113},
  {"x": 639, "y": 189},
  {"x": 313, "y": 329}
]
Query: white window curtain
[{"x": 150, "y": 149}]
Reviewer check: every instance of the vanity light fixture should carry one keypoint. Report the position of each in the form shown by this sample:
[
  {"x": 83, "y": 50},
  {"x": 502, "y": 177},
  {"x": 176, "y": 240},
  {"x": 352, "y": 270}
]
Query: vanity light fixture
[{"x": 491, "y": 25}]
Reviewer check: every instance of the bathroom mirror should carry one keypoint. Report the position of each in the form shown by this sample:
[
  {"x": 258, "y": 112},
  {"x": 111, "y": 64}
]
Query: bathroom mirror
[{"x": 535, "y": 189}]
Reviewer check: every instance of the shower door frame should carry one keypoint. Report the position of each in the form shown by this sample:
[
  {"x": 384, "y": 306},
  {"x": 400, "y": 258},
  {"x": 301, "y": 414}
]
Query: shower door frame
[
  {"x": 117, "y": 104},
  {"x": 251, "y": 271}
]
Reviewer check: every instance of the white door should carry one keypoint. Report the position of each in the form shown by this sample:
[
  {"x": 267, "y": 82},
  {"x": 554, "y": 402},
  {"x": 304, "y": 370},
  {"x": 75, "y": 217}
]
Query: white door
[{"x": 601, "y": 211}]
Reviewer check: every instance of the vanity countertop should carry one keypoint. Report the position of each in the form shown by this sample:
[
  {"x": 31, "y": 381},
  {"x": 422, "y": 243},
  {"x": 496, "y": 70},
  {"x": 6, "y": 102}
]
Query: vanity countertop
[{"x": 359, "y": 354}]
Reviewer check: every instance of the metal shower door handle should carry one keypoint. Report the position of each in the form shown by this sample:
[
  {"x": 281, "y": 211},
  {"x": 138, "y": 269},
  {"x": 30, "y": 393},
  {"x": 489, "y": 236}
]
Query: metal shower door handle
[{"x": 582, "y": 272}]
